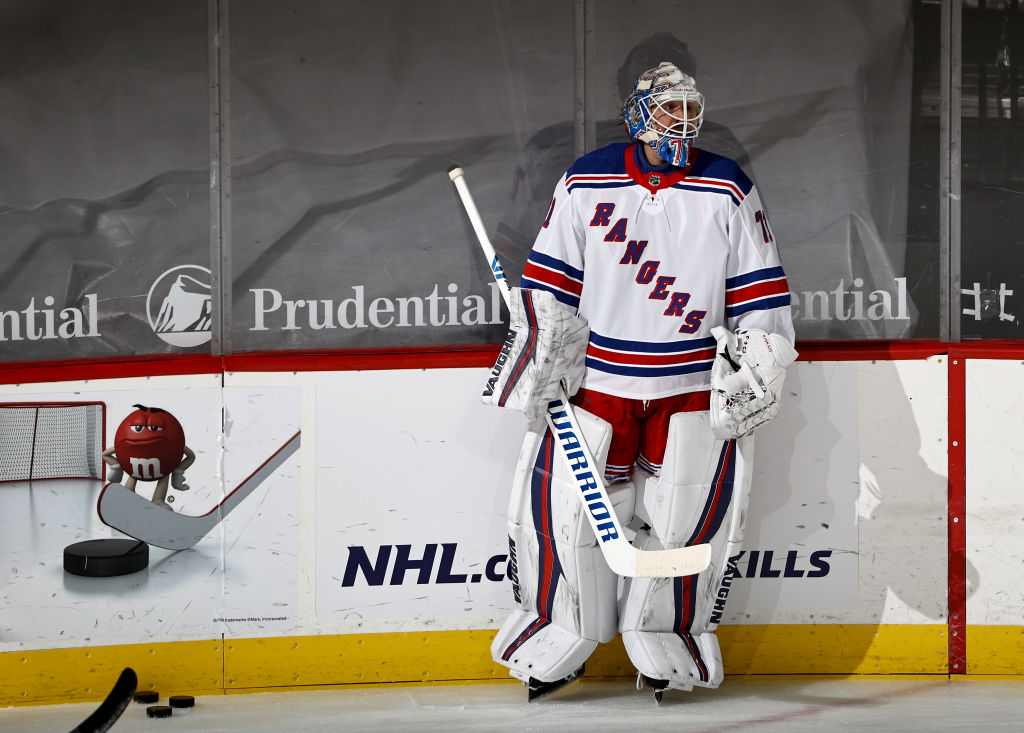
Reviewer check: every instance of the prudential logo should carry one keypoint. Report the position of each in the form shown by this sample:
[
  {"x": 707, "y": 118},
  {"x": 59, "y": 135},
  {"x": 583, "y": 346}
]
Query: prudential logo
[{"x": 178, "y": 306}]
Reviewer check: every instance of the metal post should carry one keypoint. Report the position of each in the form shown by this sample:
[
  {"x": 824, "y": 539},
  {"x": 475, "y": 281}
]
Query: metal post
[
  {"x": 585, "y": 128},
  {"x": 949, "y": 170},
  {"x": 220, "y": 178}
]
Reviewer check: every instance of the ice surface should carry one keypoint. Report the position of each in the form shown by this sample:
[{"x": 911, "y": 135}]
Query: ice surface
[{"x": 883, "y": 705}]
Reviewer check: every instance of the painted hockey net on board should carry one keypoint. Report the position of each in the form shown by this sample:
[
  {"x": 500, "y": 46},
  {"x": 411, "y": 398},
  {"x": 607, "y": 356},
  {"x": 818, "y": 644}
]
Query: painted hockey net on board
[{"x": 44, "y": 440}]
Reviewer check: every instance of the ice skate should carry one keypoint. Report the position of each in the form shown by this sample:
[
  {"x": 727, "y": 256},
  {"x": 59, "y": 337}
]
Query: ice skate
[
  {"x": 537, "y": 690},
  {"x": 659, "y": 686}
]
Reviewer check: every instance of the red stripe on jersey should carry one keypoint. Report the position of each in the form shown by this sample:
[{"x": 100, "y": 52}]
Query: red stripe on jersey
[
  {"x": 757, "y": 290},
  {"x": 551, "y": 277},
  {"x": 596, "y": 178},
  {"x": 718, "y": 183},
  {"x": 618, "y": 357}
]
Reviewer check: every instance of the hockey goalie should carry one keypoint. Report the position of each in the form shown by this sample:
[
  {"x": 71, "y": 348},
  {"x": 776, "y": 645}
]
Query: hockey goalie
[{"x": 655, "y": 296}]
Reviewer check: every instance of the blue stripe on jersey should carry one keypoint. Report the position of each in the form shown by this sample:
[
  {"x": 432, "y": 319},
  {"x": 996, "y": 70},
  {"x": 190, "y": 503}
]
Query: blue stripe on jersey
[
  {"x": 711, "y": 165},
  {"x": 561, "y": 296},
  {"x": 649, "y": 371},
  {"x": 651, "y": 347},
  {"x": 764, "y": 304},
  {"x": 553, "y": 263},
  {"x": 609, "y": 159},
  {"x": 769, "y": 273}
]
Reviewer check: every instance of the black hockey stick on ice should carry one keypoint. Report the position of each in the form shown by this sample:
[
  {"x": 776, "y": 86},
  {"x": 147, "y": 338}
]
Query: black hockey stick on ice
[
  {"x": 140, "y": 518},
  {"x": 621, "y": 556},
  {"x": 111, "y": 708}
]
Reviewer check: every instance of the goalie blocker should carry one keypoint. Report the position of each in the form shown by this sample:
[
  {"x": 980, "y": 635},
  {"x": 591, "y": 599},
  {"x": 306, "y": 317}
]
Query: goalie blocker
[{"x": 546, "y": 345}]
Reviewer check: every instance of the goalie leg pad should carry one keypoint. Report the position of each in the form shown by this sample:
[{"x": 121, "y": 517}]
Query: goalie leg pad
[
  {"x": 701, "y": 495},
  {"x": 533, "y": 647},
  {"x": 564, "y": 589},
  {"x": 654, "y": 611}
]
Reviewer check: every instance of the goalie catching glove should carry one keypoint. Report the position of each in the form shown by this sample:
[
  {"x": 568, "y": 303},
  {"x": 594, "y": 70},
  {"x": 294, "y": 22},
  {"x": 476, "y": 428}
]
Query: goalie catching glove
[
  {"x": 546, "y": 345},
  {"x": 746, "y": 380}
]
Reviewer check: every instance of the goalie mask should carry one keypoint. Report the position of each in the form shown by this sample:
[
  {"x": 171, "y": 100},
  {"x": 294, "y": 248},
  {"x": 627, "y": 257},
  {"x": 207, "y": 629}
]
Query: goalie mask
[{"x": 672, "y": 96}]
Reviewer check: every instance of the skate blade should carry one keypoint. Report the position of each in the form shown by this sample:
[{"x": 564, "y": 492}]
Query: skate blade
[{"x": 537, "y": 690}]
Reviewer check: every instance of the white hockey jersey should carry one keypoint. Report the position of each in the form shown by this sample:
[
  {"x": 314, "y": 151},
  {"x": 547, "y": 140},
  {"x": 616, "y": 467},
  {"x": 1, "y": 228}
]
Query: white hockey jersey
[{"x": 653, "y": 260}]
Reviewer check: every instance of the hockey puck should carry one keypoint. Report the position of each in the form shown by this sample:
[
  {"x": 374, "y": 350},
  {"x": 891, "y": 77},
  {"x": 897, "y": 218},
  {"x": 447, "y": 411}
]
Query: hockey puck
[
  {"x": 147, "y": 696},
  {"x": 106, "y": 557},
  {"x": 182, "y": 701},
  {"x": 159, "y": 711}
]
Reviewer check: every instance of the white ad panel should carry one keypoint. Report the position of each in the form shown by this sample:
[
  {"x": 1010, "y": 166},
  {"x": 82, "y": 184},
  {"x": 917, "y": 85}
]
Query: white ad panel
[
  {"x": 904, "y": 485},
  {"x": 856, "y": 479},
  {"x": 261, "y": 536},
  {"x": 800, "y": 545},
  {"x": 411, "y": 503},
  {"x": 399, "y": 522},
  {"x": 995, "y": 508},
  {"x": 244, "y": 569},
  {"x": 412, "y": 486}
]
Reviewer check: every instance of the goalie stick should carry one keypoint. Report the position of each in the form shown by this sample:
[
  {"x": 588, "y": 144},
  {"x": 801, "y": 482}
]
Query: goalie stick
[
  {"x": 140, "y": 518},
  {"x": 621, "y": 556},
  {"x": 111, "y": 708}
]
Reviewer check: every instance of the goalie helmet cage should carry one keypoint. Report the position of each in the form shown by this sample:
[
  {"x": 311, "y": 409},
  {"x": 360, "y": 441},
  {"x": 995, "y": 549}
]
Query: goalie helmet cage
[{"x": 51, "y": 440}]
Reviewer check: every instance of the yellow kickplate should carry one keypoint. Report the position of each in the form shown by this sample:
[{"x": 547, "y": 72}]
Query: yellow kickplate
[
  {"x": 66, "y": 675},
  {"x": 360, "y": 659},
  {"x": 239, "y": 665},
  {"x": 995, "y": 650}
]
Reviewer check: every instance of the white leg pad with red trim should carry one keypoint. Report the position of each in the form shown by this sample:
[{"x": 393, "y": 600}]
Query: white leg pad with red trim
[
  {"x": 701, "y": 495},
  {"x": 547, "y": 653},
  {"x": 564, "y": 589}
]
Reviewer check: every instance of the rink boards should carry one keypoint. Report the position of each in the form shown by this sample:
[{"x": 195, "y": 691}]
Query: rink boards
[{"x": 377, "y": 554}]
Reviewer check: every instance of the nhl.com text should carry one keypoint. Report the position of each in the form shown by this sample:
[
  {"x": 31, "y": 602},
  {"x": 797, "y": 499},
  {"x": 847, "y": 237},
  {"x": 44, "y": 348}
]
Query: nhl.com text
[{"x": 439, "y": 563}]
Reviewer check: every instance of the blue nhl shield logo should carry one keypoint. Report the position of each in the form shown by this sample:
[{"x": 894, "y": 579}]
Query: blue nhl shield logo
[{"x": 654, "y": 180}]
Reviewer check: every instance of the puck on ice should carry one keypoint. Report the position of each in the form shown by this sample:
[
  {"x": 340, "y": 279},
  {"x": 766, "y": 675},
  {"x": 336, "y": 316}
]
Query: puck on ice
[
  {"x": 158, "y": 711},
  {"x": 181, "y": 701},
  {"x": 146, "y": 696},
  {"x": 106, "y": 557}
]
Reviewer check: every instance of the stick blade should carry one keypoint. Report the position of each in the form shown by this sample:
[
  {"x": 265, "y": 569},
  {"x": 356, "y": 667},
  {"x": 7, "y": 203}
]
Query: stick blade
[
  {"x": 111, "y": 708},
  {"x": 628, "y": 561}
]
